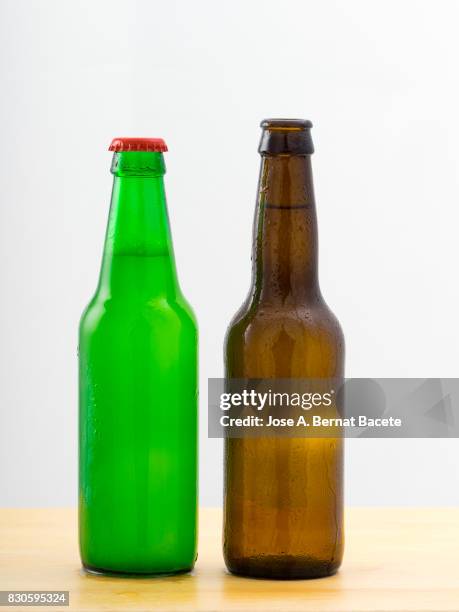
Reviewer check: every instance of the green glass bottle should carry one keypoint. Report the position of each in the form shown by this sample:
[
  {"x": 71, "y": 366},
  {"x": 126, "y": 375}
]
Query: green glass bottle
[{"x": 138, "y": 386}]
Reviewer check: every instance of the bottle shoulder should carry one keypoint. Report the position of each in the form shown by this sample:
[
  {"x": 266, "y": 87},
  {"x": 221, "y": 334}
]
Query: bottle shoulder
[
  {"x": 184, "y": 305},
  {"x": 263, "y": 319},
  {"x": 315, "y": 312},
  {"x": 301, "y": 341},
  {"x": 120, "y": 312}
]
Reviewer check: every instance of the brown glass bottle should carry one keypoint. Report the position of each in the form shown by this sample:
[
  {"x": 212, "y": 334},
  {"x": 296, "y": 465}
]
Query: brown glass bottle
[{"x": 283, "y": 514}]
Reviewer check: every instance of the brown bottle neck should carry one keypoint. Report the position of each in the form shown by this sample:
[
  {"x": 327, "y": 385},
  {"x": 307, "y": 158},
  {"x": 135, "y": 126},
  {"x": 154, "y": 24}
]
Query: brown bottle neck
[{"x": 285, "y": 232}]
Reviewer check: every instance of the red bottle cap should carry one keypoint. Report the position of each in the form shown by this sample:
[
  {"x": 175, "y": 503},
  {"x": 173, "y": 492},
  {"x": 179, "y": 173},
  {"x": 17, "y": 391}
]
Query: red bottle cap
[{"x": 156, "y": 145}]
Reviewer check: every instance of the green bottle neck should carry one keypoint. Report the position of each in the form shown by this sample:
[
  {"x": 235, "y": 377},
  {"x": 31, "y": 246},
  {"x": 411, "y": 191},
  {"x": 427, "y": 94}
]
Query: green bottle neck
[{"x": 138, "y": 256}]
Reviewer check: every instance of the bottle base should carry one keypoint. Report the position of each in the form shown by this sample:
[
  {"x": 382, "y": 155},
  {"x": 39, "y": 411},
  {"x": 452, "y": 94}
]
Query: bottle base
[
  {"x": 282, "y": 567},
  {"x": 99, "y": 571}
]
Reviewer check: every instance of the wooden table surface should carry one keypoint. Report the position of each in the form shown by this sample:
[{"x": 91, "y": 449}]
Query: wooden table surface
[{"x": 395, "y": 559}]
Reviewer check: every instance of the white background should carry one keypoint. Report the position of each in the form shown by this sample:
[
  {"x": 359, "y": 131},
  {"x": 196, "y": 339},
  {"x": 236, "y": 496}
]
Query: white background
[{"x": 379, "y": 80}]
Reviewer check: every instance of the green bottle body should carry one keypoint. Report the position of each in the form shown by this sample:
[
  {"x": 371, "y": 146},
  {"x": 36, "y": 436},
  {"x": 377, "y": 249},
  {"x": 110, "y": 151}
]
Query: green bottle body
[{"x": 138, "y": 390}]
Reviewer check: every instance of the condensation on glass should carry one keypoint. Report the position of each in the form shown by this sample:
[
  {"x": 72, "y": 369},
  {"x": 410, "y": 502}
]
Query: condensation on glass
[
  {"x": 283, "y": 502},
  {"x": 138, "y": 386}
]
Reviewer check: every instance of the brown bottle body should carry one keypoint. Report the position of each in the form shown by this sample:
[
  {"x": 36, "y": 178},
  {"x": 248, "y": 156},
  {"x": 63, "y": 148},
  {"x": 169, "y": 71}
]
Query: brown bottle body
[{"x": 283, "y": 502}]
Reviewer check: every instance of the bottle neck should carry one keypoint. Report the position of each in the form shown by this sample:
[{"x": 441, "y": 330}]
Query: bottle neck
[
  {"x": 138, "y": 259},
  {"x": 285, "y": 232}
]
